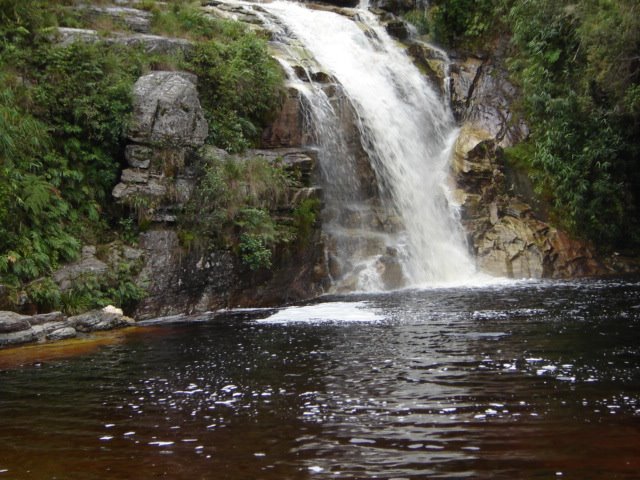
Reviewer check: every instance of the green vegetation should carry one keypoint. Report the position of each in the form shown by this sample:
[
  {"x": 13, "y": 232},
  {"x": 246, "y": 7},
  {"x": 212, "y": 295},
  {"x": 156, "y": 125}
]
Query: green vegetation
[
  {"x": 578, "y": 67},
  {"x": 89, "y": 292},
  {"x": 232, "y": 205},
  {"x": 63, "y": 116},
  {"x": 242, "y": 89}
]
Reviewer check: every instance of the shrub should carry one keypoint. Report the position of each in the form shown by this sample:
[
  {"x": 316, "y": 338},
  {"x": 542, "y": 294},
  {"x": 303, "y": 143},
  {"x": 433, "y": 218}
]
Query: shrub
[
  {"x": 583, "y": 133},
  {"x": 231, "y": 206}
]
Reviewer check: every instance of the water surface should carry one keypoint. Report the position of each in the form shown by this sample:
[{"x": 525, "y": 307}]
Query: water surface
[{"x": 534, "y": 380}]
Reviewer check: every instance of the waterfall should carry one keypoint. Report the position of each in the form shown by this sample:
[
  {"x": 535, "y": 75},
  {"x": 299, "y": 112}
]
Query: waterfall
[{"x": 409, "y": 234}]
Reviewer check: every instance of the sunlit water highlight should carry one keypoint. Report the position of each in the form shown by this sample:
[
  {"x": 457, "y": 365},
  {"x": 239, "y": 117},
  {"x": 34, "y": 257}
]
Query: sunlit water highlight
[{"x": 526, "y": 381}]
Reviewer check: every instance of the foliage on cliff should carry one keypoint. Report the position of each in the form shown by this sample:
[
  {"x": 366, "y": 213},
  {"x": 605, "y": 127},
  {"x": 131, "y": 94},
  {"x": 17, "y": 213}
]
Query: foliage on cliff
[
  {"x": 232, "y": 205},
  {"x": 64, "y": 112},
  {"x": 578, "y": 67}
]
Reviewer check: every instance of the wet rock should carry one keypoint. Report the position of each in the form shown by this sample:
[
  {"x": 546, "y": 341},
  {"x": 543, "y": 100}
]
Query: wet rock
[
  {"x": 52, "y": 317},
  {"x": 107, "y": 318},
  {"x": 288, "y": 129},
  {"x": 432, "y": 62},
  {"x": 390, "y": 270},
  {"x": 62, "y": 334},
  {"x": 397, "y": 29},
  {"x": 13, "y": 322}
]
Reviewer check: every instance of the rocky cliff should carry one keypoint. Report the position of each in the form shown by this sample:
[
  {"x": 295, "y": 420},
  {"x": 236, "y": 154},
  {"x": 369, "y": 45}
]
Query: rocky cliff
[
  {"x": 507, "y": 227},
  {"x": 167, "y": 137}
]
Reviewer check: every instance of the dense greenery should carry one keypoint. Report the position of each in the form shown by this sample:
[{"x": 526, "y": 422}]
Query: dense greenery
[
  {"x": 63, "y": 116},
  {"x": 578, "y": 67},
  {"x": 231, "y": 207}
]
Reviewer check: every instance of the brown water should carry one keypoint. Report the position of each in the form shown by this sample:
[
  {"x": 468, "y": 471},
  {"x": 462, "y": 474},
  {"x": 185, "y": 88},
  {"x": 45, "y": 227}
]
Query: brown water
[{"x": 535, "y": 380}]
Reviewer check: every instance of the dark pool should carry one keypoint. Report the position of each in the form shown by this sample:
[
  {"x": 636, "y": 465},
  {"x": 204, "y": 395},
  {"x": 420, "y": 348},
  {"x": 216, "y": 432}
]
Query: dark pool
[{"x": 532, "y": 380}]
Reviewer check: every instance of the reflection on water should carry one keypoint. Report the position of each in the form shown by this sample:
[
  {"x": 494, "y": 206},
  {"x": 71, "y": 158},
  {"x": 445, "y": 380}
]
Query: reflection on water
[{"x": 536, "y": 380}]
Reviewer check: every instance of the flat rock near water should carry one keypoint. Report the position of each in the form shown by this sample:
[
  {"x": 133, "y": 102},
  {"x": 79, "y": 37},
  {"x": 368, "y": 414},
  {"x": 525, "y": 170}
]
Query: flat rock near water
[{"x": 16, "y": 329}]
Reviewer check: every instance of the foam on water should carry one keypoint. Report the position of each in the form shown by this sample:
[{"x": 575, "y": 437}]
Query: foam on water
[{"x": 347, "y": 312}]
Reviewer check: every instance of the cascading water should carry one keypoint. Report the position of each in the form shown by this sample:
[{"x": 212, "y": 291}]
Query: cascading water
[{"x": 409, "y": 234}]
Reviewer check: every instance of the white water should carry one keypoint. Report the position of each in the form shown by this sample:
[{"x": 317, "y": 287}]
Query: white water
[
  {"x": 335, "y": 312},
  {"x": 408, "y": 133}
]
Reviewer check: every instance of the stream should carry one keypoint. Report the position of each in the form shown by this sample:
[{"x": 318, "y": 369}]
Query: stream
[{"x": 524, "y": 380}]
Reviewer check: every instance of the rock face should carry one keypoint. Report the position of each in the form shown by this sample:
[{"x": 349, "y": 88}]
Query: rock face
[
  {"x": 16, "y": 329},
  {"x": 167, "y": 127},
  {"x": 131, "y": 18},
  {"x": 481, "y": 95},
  {"x": 149, "y": 43},
  {"x": 167, "y": 111},
  {"x": 182, "y": 280},
  {"x": 87, "y": 266},
  {"x": 167, "y": 134},
  {"x": 506, "y": 234},
  {"x": 288, "y": 129}
]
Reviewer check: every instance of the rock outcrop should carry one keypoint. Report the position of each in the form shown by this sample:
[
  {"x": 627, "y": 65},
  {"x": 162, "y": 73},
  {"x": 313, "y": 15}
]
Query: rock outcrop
[
  {"x": 16, "y": 329},
  {"x": 130, "y": 27},
  {"x": 167, "y": 134},
  {"x": 507, "y": 235},
  {"x": 482, "y": 95},
  {"x": 167, "y": 127}
]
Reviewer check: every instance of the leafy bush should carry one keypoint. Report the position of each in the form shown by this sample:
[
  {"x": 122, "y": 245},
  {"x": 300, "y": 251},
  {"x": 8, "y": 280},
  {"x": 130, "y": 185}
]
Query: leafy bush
[
  {"x": 305, "y": 216},
  {"x": 578, "y": 87},
  {"x": 231, "y": 207},
  {"x": 116, "y": 288},
  {"x": 466, "y": 23},
  {"x": 240, "y": 88}
]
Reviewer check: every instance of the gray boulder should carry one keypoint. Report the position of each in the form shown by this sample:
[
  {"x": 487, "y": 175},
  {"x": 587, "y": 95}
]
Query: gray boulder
[
  {"x": 107, "y": 318},
  {"x": 62, "y": 333},
  {"x": 13, "y": 322},
  {"x": 15, "y": 329},
  {"x": 167, "y": 111},
  {"x": 43, "y": 318},
  {"x": 133, "y": 18},
  {"x": 67, "y": 36}
]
